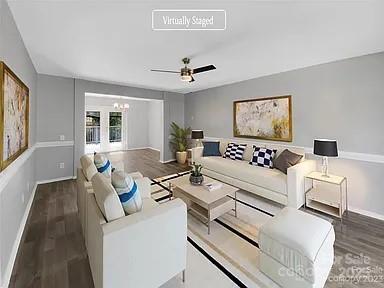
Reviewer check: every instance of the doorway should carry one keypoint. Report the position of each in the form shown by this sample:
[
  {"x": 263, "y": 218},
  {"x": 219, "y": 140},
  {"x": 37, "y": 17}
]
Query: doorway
[{"x": 119, "y": 123}]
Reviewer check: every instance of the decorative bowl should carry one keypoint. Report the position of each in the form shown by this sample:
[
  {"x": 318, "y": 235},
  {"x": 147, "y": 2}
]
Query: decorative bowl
[{"x": 196, "y": 180}]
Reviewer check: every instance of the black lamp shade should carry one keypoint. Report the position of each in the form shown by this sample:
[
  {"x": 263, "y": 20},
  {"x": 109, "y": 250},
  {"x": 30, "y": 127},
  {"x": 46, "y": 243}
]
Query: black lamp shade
[
  {"x": 197, "y": 134},
  {"x": 323, "y": 147}
]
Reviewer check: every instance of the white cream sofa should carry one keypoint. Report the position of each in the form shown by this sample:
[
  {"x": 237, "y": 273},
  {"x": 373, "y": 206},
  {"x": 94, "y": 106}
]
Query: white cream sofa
[
  {"x": 130, "y": 251},
  {"x": 268, "y": 183},
  {"x": 142, "y": 250},
  {"x": 84, "y": 186}
]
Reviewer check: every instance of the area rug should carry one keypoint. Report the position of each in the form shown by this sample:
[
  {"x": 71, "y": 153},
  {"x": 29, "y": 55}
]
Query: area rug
[{"x": 228, "y": 257}]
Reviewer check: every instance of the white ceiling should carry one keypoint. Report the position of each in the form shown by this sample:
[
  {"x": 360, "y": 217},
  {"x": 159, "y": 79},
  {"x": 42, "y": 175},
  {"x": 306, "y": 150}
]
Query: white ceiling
[{"x": 112, "y": 41}]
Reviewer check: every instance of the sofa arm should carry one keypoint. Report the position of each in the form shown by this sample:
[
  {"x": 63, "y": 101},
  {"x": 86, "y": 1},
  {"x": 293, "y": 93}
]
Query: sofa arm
[
  {"x": 144, "y": 185},
  {"x": 196, "y": 154},
  {"x": 137, "y": 245},
  {"x": 296, "y": 179}
]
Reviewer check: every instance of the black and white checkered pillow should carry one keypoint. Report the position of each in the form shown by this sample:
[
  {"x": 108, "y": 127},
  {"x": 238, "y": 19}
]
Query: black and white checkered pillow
[
  {"x": 235, "y": 151},
  {"x": 263, "y": 157}
]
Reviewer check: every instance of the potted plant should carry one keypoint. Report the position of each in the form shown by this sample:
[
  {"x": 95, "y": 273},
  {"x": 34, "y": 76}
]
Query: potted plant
[
  {"x": 196, "y": 177},
  {"x": 179, "y": 141}
]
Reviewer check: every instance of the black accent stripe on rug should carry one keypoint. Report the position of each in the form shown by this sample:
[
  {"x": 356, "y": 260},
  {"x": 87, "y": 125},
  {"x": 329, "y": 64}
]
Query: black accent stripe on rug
[
  {"x": 161, "y": 185},
  {"x": 217, "y": 264},
  {"x": 251, "y": 206},
  {"x": 162, "y": 198},
  {"x": 170, "y": 178},
  {"x": 238, "y": 233}
]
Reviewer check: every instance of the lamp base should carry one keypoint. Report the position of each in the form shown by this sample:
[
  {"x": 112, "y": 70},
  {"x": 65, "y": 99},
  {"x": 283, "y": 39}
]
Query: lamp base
[{"x": 325, "y": 167}]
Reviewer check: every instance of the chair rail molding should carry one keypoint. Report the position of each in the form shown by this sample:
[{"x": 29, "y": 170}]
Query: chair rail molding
[{"x": 55, "y": 144}]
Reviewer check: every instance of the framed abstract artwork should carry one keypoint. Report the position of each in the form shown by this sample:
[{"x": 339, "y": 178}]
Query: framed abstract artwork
[
  {"x": 263, "y": 118},
  {"x": 14, "y": 116}
]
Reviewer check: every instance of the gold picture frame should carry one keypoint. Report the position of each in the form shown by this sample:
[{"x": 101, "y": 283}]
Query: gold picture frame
[
  {"x": 268, "y": 118},
  {"x": 14, "y": 116}
]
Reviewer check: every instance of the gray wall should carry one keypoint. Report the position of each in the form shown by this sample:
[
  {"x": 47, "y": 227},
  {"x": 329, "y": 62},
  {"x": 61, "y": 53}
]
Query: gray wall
[
  {"x": 173, "y": 112},
  {"x": 55, "y": 114},
  {"x": 155, "y": 126},
  {"x": 341, "y": 100},
  {"x": 16, "y": 182},
  {"x": 55, "y": 108}
]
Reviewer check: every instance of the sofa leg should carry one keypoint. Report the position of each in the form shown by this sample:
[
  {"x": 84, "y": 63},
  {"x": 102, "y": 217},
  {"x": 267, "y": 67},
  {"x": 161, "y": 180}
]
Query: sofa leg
[{"x": 183, "y": 276}]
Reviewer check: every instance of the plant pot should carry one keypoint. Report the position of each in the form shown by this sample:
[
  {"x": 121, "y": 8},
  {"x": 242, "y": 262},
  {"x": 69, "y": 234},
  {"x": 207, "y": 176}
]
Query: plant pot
[
  {"x": 196, "y": 180},
  {"x": 181, "y": 157}
]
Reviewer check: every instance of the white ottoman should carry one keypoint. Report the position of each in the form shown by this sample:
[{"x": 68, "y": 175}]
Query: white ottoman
[{"x": 296, "y": 249}]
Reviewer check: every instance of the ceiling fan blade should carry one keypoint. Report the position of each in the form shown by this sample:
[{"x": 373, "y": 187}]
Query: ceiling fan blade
[
  {"x": 192, "y": 80},
  {"x": 204, "y": 69},
  {"x": 165, "y": 71}
]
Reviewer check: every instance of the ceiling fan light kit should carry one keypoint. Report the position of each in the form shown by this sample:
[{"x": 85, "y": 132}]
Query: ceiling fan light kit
[{"x": 186, "y": 73}]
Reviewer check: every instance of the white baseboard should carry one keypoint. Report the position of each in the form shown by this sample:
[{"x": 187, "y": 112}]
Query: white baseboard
[
  {"x": 154, "y": 149},
  {"x": 15, "y": 247},
  {"x": 366, "y": 213},
  {"x": 55, "y": 180},
  {"x": 168, "y": 161}
]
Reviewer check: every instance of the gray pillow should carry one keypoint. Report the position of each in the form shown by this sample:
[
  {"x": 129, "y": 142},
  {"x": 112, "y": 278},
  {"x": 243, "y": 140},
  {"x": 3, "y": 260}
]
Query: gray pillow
[{"x": 285, "y": 160}]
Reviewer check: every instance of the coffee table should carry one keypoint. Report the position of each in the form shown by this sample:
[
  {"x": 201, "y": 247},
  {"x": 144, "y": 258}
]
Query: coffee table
[{"x": 207, "y": 204}]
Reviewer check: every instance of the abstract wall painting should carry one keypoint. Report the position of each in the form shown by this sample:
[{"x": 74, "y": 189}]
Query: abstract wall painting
[
  {"x": 264, "y": 118},
  {"x": 14, "y": 117}
]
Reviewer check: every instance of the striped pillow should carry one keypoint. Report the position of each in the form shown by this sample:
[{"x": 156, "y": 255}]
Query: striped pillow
[
  {"x": 128, "y": 192},
  {"x": 102, "y": 164},
  {"x": 235, "y": 151}
]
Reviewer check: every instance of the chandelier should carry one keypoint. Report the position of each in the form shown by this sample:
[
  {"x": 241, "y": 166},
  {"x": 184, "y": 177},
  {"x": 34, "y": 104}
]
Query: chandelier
[{"x": 119, "y": 106}]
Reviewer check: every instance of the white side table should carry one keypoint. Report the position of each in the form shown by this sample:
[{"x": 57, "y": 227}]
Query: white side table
[{"x": 325, "y": 199}]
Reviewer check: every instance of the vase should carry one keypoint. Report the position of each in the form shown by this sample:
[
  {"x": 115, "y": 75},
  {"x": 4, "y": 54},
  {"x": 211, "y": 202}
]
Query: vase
[
  {"x": 181, "y": 157},
  {"x": 196, "y": 180}
]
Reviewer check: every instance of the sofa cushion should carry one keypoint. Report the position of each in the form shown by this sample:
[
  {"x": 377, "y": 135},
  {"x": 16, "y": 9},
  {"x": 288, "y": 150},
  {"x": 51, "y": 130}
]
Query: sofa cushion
[
  {"x": 271, "y": 179},
  {"x": 148, "y": 204},
  {"x": 107, "y": 198},
  {"x": 285, "y": 160},
  {"x": 262, "y": 157},
  {"x": 88, "y": 167},
  {"x": 235, "y": 151},
  {"x": 211, "y": 148},
  {"x": 102, "y": 164},
  {"x": 128, "y": 192},
  {"x": 298, "y": 240}
]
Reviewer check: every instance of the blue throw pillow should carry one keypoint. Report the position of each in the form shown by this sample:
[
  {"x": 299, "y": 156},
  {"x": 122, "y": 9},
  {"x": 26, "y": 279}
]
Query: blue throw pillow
[{"x": 211, "y": 148}]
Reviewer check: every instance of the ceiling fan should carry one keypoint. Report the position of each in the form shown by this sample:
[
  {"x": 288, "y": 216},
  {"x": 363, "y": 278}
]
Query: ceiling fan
[{"x": 187, "y": 73}]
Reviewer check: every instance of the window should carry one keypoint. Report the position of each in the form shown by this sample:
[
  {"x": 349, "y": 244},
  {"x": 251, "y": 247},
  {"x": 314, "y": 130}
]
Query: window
[
  {"x": 115, "y": 123},
  {"x": 92, "y": 132}
]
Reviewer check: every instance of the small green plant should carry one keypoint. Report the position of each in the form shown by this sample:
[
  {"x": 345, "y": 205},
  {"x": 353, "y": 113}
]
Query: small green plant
[
  {"x": 196, "y": 170},
  {"x": 179, "y": 140}
]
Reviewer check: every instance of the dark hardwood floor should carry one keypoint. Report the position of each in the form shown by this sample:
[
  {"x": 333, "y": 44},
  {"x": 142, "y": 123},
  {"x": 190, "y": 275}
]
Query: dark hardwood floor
[{"x": 52, "y": 251}]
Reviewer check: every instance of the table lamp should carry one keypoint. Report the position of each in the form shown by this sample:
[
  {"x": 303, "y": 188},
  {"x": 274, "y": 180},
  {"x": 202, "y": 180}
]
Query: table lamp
[
  {"x": 325, "y": 148},
  {"x": 197, "y": 135}
]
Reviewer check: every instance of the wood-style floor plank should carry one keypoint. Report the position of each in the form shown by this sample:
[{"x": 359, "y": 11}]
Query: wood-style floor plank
[{"x": 52, "y": 251}]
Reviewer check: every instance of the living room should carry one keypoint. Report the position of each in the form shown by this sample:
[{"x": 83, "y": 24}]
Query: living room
[{"x": 317, "y": 65}]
